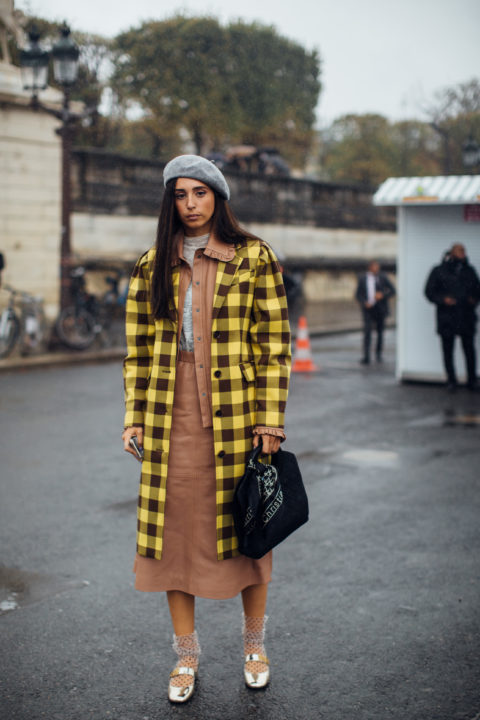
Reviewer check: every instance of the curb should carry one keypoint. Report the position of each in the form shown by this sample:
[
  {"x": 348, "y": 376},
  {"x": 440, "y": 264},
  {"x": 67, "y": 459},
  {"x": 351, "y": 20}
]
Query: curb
[{"x": 17, "y": 363}]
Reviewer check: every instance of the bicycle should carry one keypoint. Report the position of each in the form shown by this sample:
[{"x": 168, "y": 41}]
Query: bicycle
[
  {"x": 89, "y": 317},
  {"x": 23, "y": 320}
]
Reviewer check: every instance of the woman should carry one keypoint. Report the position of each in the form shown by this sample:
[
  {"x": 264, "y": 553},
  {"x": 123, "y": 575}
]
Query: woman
[{"x": 206, "y": 375}]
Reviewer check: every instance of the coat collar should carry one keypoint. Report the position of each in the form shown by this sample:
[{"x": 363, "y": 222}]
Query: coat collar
[
  {"x": 214, "y": 249},
  {"x": 227, "y": 267}
]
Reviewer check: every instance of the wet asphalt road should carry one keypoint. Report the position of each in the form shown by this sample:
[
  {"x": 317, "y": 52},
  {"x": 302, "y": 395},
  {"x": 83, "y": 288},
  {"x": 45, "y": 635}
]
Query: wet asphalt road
[{"x": 375, "y": 605}]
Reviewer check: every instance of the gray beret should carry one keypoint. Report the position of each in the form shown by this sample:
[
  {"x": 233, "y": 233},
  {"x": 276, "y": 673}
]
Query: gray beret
[{"x": 198, "y": 168}]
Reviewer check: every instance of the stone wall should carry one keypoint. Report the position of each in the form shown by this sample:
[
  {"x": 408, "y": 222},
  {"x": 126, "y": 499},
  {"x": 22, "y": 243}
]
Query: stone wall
[
  {"x": 30, "y": 194},
  {"x": 108, "y": 183}
]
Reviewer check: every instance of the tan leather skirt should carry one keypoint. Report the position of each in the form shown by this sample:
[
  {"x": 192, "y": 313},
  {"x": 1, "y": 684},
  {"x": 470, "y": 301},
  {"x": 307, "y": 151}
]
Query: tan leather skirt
[{"x": 189, "y": 561}]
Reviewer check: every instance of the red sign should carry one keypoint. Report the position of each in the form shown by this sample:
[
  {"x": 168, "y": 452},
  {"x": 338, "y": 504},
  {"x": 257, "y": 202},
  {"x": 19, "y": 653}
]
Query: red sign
[{"x": 471, "y": 213}]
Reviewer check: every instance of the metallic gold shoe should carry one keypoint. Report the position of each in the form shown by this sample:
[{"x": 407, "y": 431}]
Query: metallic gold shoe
[
  {"x": 181, "y": 694},
  {"x": 259, "y": 679}
]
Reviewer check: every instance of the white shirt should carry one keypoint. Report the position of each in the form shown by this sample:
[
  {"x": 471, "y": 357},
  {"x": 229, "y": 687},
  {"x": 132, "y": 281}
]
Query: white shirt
[
  {"x": 371, "y": 288},
  {"x": 190, "y": 247}
]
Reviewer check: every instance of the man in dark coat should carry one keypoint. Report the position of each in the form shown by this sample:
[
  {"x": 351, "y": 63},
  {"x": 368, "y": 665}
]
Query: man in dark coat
[
  {"x": 454, "y": 288},
  {"x": 373, "y": 290}
]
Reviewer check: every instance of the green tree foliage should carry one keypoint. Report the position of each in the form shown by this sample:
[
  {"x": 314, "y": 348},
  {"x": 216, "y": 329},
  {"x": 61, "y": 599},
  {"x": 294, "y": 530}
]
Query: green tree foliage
[
  {"x": 359, "y": 149},
  {"x": 366, "y": 149},
  {"x": 141, "y": 138},
  {"x": 416, "y": 149},
  {"x": 276, "y": 85},
  {"x": 173, "y": 73},
  {"x": 242, "y": 83}
]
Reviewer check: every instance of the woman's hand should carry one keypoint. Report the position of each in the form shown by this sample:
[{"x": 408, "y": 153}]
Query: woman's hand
[
  {"x": 270, "y": 443},
  {"x": 128, "y": 433}
]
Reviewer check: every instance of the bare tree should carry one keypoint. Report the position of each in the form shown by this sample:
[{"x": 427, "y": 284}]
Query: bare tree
[{"x": 454, "y": 114}]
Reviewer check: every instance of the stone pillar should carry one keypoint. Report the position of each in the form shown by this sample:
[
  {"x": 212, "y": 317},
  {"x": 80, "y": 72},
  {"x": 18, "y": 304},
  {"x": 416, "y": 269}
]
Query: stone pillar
[{"x": 30, "y": 191}]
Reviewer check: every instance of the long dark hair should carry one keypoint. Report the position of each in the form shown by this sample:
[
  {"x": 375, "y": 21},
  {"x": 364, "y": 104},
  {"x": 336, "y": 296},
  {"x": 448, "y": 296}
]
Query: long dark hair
[{"x": 225, "y": 226}]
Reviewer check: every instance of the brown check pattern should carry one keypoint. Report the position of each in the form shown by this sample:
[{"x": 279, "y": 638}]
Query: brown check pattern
[{"x": 250, "y": 361}]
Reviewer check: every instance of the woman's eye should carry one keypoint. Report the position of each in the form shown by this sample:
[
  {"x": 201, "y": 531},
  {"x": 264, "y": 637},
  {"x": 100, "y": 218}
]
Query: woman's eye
[
  {"x": 179, "y": 197},
  {"x": 201, "y": 193}
]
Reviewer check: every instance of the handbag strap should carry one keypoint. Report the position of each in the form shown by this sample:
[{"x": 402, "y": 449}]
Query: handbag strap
[{"x": 255, "y": 454}]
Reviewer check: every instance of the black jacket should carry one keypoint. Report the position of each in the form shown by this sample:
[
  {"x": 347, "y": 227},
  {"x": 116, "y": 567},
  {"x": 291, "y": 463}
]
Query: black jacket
[
  {"x": 456, "y": 279},
  {"x": 383, "y": 285}
]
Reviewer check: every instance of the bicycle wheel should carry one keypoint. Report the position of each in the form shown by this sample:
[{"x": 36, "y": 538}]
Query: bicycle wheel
[
  {"x": 9, "y": 331},
  {"x": 76, "y": 328}
]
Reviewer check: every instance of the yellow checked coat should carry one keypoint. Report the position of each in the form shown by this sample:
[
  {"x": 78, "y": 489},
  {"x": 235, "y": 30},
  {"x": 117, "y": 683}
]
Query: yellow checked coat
[{"x": 250, "y": 347}]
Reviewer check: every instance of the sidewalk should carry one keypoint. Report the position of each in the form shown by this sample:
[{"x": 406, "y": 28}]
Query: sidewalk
[{"x": 56, "y": 358}]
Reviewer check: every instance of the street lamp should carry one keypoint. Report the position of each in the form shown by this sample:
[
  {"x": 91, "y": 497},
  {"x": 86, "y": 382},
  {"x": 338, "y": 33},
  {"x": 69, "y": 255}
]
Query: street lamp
[
  {"x": 65, "y": 55},
  {"x": 34, "y": 65},
  {"x": 470, "y": 153}
]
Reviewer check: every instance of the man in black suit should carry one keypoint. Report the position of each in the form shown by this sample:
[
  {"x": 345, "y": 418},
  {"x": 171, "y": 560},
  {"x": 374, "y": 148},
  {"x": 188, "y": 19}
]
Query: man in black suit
[
  {"x": 373, "y": 290},
  {"x": 454, "y": 288}
]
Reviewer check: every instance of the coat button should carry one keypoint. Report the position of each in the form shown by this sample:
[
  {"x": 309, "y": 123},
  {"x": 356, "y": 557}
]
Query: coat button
[
  {"x": 221, "y": 453},
  {"x": 218, "y": 373},
  {"x": 216, "y": 334},
  {"x": 219, "y": 413}
]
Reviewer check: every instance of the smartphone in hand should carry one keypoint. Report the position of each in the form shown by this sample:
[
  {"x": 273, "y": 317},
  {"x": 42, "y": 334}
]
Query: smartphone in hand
[{"x": 133, "y": 442}]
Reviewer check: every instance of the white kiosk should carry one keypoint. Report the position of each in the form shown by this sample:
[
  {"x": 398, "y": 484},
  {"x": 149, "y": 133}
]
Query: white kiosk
[{"x": 433, "y": 214}]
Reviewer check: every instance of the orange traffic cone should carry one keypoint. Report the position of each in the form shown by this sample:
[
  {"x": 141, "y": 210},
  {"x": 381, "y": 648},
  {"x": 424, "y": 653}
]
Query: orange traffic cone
[{"x": 302, "y": 358}]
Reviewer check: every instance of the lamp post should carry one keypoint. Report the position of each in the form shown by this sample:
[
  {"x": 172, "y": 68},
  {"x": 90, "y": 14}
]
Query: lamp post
[
  {"x": 34, "y": 65},
  {"x": 471, "y": 153}
]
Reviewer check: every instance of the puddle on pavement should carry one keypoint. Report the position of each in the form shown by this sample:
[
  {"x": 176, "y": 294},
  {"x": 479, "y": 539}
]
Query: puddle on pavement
[
  {"x": 434, "y": 420},
  {"x": 19, "y": 588},
  {"x": 362, "y": 456},
  {"x": 126, "y": 506}
]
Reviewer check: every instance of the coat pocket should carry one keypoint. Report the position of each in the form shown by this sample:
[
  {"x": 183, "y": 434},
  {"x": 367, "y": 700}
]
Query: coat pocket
[
  {"x": 243, "y": 277},
  {"x": 248, "y": 371}
]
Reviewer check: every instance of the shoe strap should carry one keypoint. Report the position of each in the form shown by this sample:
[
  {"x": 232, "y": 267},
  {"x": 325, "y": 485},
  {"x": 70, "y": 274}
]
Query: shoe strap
[
  {"x": 182, "y": 671},
  {"x": 253, "y": 657}
]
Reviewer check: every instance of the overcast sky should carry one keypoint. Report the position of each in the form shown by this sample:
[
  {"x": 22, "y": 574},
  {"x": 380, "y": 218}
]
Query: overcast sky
[{"x": 384, "y": 56}]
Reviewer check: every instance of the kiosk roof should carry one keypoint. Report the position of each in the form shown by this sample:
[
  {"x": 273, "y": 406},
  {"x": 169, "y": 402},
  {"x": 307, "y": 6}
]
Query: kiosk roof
[{"x": 437, "y": 190}]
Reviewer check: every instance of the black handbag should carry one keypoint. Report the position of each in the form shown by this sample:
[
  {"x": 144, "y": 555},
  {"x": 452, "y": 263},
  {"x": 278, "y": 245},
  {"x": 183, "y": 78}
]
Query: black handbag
[{"x": 269, "y": 502}]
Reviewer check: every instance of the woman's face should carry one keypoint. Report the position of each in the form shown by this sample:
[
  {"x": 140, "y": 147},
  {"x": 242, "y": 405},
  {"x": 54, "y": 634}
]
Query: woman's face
[{"x": 195, "y": 203}]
